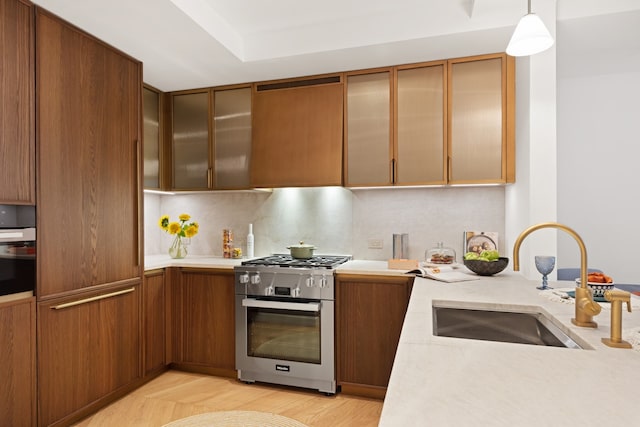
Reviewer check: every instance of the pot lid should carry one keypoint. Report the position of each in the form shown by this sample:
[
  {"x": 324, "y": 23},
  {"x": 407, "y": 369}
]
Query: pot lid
[{"x": 301, "y": 245}]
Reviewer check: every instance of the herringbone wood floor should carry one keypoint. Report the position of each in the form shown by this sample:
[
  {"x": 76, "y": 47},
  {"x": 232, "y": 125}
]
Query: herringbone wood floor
[{"x": 174, "y": 395}]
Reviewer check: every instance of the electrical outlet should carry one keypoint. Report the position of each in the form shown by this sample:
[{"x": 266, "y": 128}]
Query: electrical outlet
[{"x": 375, "y": 243}]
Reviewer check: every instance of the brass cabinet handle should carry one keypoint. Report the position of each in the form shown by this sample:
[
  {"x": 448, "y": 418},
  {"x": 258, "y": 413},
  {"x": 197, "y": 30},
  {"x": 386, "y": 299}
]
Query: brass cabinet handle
[
  {"x": 90, "y": 299},
  {"x": 139, "y": 236}
]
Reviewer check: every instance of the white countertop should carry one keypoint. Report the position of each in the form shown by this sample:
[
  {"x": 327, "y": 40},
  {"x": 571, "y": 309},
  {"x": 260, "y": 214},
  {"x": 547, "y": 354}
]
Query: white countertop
[
  {"x": 153, "y": 262},
  {"x": 441, "y": 381}
]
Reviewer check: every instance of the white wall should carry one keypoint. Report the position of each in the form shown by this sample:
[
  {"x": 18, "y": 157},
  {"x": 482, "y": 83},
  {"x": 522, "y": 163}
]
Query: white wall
[
  {"x": 599, "y": 142},
  {"x": 336, "y": 220}
]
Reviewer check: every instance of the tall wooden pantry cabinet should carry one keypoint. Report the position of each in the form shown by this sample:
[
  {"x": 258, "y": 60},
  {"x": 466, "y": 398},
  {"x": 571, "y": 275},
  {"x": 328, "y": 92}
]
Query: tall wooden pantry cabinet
[{"x": 89, "y": 209}]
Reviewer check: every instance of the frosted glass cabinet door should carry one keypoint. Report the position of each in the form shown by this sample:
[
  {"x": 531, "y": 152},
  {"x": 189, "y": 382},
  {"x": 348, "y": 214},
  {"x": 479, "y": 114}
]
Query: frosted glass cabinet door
[
  {"x": 420, "y": 129},
  {"x": 368, "y": 142},
  {"x": 151, "y": 138},
  {"x": 477, "y": 113},
  {"x": 232, "y": 137},
  {"x": 191, "y": 169}
]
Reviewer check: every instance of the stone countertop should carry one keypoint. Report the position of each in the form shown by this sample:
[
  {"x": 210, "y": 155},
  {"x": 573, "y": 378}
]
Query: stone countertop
[
  {"x": 441, "y": 381},
  {"x": 153, "y": 262}
]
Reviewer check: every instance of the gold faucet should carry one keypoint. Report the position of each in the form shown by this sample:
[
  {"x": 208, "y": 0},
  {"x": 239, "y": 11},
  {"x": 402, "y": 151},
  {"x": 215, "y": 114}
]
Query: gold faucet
[
  {"x": 616, "y": 298},
  {"x": 586, "y": 307}
]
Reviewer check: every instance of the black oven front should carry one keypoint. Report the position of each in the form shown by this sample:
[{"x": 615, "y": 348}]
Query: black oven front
[{"x": 17, "y": 251}]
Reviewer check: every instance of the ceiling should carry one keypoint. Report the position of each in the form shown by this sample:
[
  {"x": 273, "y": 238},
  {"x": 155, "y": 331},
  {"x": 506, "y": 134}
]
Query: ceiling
[{"x": 186, "y": 44}]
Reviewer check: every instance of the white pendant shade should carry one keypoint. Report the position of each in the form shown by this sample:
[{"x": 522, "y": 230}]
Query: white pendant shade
[{"x": 530, "y": 37}]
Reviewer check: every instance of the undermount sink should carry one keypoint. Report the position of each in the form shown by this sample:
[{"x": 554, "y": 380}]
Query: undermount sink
[{"x": 504, "y": 326}]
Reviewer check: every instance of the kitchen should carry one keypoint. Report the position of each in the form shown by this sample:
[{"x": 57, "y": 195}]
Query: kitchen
[{"x": 508, "y": 209}]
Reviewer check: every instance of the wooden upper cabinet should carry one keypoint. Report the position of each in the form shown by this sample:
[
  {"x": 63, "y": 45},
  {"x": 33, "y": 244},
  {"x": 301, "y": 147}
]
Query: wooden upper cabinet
[
  {"x": 190, "y": 142},
  {"x": 297, "y": 133},
  {"x": 368, "y": 144},
  {"x": 420, "y": 124},
  {"x": 481, "y": 119},
  {"x": 453, "y": 123},
  {"x": 90, "y": 160},
  {"x": 17, "y": 147},
  {"x": 232, "y": 137},
  {"x": 396, "y": 126},
  {"x": 152, "y": 138}
]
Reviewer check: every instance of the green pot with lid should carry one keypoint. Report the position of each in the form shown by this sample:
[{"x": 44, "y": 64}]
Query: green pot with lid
[{"x": 301, "y": 250}]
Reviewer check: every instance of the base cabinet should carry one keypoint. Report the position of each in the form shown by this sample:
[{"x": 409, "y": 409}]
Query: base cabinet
[
  {"x": 203, "y": 321},
  {"x": 88, "y": 349},
  {"x": 18, "y": 363},
  {"x": 369, "y": 315},
  {"x": 153, "y": 321}
]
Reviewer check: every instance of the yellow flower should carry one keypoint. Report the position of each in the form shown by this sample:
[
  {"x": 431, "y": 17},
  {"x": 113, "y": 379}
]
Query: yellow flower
[
  {"x": 180, "y": 228},
  {"x": 174, "y": 228},
  {"x": 191, "y": 231},
  {"x": 163, "y": 222}
]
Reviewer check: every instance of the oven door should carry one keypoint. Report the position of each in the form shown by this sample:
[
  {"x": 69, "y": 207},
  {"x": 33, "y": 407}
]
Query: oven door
[
  {"x": 285, "y": 342},
  {"x": 17, "y": 263}
]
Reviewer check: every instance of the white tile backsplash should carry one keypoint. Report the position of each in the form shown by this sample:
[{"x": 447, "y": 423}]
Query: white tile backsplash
[{"x": 336, "y": 220}]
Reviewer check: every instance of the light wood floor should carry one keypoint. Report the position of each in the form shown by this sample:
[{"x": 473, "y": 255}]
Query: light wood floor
[{"x": 174, "y": 395}]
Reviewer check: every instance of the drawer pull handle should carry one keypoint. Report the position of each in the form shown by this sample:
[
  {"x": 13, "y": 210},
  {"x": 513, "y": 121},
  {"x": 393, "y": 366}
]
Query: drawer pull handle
[{"x": 96, "y": 298}]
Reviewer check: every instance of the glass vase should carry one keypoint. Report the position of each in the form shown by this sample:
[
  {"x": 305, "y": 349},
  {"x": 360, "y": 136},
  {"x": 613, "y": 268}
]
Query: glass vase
[{"x": 177, "y": 249}]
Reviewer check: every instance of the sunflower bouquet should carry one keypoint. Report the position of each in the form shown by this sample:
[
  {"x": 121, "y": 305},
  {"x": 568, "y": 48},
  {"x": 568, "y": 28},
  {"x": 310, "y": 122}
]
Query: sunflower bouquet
[{"x": 181, "y": 228}]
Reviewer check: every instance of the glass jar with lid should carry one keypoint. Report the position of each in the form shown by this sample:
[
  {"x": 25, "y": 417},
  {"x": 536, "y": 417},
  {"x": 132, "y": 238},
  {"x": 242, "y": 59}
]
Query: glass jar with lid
[{"x": 440, "y": 255}]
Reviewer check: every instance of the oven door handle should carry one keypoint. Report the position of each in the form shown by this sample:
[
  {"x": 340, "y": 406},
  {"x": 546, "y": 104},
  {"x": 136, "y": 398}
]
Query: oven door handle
[{"x": 281, "y": 305}]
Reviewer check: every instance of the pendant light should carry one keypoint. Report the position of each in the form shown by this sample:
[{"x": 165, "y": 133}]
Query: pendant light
[{"x": 530, "y": 37}]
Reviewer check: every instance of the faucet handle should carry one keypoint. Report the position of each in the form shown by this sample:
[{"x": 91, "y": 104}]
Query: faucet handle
[
  {"x": 616, "y": 298},
  {"x": 617, "y": 295}
]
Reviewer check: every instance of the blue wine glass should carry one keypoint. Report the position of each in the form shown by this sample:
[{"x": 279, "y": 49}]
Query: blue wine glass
[{"x": 545, "y": 265}]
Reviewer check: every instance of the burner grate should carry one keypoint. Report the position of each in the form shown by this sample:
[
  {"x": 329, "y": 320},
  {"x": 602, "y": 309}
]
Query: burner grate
[{"x": 319, "y": 261}]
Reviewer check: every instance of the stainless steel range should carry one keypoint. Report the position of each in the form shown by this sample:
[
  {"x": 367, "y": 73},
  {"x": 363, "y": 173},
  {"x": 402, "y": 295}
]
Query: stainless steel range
[{"x": 285, "y": 321}]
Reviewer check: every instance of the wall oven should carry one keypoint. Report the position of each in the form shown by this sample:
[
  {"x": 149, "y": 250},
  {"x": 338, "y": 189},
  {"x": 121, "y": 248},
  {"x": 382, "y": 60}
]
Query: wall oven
[
  {"x": 17, "y": 251},
  {"x": 285, "y": 322}
]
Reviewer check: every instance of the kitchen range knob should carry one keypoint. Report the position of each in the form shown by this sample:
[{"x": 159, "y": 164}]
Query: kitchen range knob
[
  {"x": 310, "y": 281},
  {"x": 255, "y": 279},
  {"x": 295, "y": 292},
  {"x": 243, "y": 278},
  {"x": 268, "y": 290},
  {"x": 323, "y": 281}
]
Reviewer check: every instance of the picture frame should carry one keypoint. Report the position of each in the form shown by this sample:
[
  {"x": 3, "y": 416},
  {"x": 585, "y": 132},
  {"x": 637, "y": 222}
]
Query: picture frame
[{"x": 478, "y": 241}]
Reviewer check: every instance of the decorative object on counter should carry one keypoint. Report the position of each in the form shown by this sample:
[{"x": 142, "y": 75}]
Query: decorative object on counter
[
  {"x": 227, "y": 243},
  {"x": 401, "y": 246},
  {"x": 236, "y": 253},
  {"x": 301, "y": 251},
  {"x": 478, "y": 241},
  {"x": 440, "y": 255},
  {"x": 598, "y": 282},
  {"x": 402, "y": 264},
  {"x": 486, "y": 268},
  {"x": 545, "y": 265},
  {"x": 181, "y": 229},
  {"x": 250, "y": 242}
]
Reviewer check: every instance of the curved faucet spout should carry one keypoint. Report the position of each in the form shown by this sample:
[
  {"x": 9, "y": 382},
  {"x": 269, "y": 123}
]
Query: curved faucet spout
[{"x": 586, "y": 307}]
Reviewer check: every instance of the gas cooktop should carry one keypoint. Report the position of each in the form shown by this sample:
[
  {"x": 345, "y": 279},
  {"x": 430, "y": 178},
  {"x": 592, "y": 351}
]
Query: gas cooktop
[{"x": 318, "y": 261}]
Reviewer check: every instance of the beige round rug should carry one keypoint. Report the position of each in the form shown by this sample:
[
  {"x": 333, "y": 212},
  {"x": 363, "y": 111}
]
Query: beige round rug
[{"x": 236, "y": 419}]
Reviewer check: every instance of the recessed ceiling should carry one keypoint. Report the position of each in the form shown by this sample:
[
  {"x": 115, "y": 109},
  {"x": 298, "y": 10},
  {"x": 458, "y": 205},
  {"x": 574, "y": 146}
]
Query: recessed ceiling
[{"x": 187, "y": 44}]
